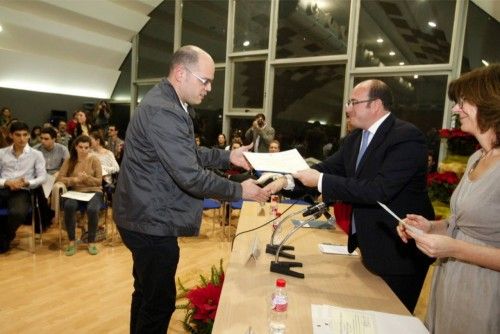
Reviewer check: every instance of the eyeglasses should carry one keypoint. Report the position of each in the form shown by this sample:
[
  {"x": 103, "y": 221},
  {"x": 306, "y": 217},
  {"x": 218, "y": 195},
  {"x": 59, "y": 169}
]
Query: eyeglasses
[
  {"x": 353, "y": 102},
  {"x": 204, "y": 81},
  {"x": 459, "y": 103}
]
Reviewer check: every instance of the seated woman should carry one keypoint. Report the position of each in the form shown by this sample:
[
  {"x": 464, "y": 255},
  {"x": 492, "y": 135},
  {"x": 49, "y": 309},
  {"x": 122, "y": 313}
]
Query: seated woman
[
  {"x": 82, "y": 172},
  {"x": 106, "y": 157}
]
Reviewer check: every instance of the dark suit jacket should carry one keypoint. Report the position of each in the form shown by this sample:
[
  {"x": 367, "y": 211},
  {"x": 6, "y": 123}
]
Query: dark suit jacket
[{"x": 393, "y": 171}]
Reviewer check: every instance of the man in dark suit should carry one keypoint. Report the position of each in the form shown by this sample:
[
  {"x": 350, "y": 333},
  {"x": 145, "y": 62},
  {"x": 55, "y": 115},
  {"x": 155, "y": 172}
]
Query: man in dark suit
[{"x": 392, "y": 170}]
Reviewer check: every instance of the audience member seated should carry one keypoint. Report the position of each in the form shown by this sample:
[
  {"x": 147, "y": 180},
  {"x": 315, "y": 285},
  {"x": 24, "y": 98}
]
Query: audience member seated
[
  {"x": 274, "y": 146},
  {"x": 5, "y": 116},
  {"x": 71, "y": 126},
  {"x": 115, "y": 144},
  {"x": 53, "y": 153},
  {"x": 221, "y": 142},
  {"x": 63, "y": 137},
  {"x": 106, "y": 157},
  {"x": 83, "y": 126},
  {"x": 82, "y": 172},
  {"x": 21, "y": 168},
  {"x": 35, "y": 135}
]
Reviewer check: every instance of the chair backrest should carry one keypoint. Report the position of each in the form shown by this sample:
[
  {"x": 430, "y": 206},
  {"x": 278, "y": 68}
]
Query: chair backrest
[{"x": 209, "y": 203}]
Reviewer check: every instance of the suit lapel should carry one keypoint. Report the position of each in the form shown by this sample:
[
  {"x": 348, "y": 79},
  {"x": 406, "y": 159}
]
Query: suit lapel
[{"x": 376, "y": 141}]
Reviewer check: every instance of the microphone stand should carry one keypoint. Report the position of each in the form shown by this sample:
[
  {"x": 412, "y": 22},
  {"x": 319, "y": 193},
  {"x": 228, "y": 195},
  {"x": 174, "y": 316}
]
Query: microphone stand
[
  {"x": 285, "y": 266},
  {"x": 272, "y": 248}
]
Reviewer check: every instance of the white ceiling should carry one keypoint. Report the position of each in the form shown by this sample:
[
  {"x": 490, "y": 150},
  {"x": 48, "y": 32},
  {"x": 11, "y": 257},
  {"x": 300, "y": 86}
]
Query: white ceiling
[{"x": 67, "y": 46}]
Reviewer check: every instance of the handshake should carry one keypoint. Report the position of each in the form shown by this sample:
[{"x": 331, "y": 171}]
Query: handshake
[{"x": 273, "y": 183}]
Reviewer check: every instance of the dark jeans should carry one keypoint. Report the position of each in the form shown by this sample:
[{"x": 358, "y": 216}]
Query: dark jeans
[
  {"x": 18, "y": 203},
  {"x": 155, "y": 263},
  {"x": 92, "y": 207}
]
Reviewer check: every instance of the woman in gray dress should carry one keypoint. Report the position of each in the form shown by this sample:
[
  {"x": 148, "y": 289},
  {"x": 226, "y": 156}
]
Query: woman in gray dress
[{"x": 465, "y": 296}]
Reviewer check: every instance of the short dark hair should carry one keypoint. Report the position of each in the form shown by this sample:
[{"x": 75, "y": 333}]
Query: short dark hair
[
  {"x": 50, "y": 131},
  {"x": 380, "y": 90},
  {"x": 260, "y": 115},
  {"x": 18, "y": 126}
]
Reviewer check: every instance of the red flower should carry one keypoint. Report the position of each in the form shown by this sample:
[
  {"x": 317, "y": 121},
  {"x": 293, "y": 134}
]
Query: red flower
[{"x": 205, "y": 301}]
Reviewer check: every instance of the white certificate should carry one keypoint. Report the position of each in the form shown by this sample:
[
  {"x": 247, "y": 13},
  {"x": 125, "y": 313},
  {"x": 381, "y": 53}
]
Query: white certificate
[
  {"x": 285, "y": 162},
  {"x": 79, "y": 196}
]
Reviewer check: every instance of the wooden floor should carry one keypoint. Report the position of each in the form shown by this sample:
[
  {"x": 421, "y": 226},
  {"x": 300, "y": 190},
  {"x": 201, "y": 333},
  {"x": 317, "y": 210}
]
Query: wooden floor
[
  {"x": 48, "y": 292},
  {"x": 51, "y": 293}
]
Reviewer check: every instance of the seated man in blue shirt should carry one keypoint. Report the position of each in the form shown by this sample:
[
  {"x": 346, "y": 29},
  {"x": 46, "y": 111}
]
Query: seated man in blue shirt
[{"x": 21, "y": 168}]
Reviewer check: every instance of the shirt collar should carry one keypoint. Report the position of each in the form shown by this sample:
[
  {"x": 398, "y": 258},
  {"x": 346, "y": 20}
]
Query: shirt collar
[
  {"x": 374, "y": 127},
  {"x": 26, "y": 149}
]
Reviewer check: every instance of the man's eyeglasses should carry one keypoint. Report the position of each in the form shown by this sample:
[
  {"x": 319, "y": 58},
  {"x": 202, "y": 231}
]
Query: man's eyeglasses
[
  {"x": 204, "y": 81},
  {"x": 353, "y": 102}
]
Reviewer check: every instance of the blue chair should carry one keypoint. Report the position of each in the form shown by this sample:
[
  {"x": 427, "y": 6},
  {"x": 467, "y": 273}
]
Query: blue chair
[{"x": 216, "y": 206}]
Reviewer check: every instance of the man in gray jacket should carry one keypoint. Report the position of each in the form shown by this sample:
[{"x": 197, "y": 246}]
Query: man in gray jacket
[{"x": 163, "y": 181}]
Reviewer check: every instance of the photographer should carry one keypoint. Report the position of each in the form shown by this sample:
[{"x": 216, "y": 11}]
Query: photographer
[{"x": 261, "y": 134}]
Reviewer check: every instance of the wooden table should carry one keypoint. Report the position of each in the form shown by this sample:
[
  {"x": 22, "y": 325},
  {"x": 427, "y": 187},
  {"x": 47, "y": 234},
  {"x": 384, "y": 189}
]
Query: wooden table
[{"x": 329, "y": 279}]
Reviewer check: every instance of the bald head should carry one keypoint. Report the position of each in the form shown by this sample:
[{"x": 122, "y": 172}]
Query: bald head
[{"x": 191, "y": 74}]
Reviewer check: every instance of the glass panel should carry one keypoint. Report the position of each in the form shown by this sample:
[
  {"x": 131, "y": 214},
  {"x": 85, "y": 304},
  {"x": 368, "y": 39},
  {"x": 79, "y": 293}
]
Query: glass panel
[
  {"x": 238, "y": 126},
  {"x": 156, "y": 42},
  {"x": 482, "y": 38},
  {"x": 208, "y": 122},
  {"x": 312, "y": 28},
  {"x": 251, "y": 28},
  {"x": 248, "y": 81},
  {"x": 204, "y": 24},
  {"x": 122, "y": 87},
  {"x": 142, "y": 90},
  {"x": 404, "y": 32},
  {"x": 308, "y": 98},
  {"x": 419, "y": 100}
]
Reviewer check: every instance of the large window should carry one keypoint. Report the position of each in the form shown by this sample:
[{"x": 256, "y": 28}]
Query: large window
[
  {"x": 248, "y": 91},
  {"x": 404, "y": 32},
  {"x": 479, "y": 49},
  {"x": 251, "y": 25},
  {"x": 312, "y": 28},
  {"x": 156, "y": 42},
  {"x": 420, "y": 100},
  {"x": 204, "y": 24},
  {"x": 307, "y": 107}
]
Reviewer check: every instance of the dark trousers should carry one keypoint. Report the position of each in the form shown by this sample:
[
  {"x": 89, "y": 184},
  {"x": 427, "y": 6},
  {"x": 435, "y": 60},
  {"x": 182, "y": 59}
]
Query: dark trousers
[
  {"x": 406, "y": 287},
  {"x": 92, "y": 207},
  {"x": 155, "y": 263},
  {"x": 19, "y": 203}
]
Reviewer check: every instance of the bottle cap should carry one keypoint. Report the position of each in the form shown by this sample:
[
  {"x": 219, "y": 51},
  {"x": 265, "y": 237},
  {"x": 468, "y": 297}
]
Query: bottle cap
[{"x": 280, "y": 283}]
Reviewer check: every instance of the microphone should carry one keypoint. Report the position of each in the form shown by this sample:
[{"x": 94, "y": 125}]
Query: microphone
[{"x": 313, "y": 209}]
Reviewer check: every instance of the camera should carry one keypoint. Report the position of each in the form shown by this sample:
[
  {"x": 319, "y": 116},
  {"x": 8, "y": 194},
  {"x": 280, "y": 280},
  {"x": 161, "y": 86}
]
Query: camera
[{"x": 260, "y": 122}]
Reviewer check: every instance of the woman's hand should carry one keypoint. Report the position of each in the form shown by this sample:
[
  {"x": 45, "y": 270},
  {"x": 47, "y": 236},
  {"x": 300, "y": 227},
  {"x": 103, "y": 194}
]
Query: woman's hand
[
  {"x": 434, "y": 245},
  {"x": 416, "y": 221}
]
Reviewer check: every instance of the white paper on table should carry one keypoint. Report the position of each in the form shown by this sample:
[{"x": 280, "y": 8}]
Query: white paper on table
[
  {"x": 281, "y": 162},
  {"x": 48, "y": 185},
  {"x": 328, "y": 248},
  {"x": 79, "y": 196},
  {"x": 328, "y": 319}
]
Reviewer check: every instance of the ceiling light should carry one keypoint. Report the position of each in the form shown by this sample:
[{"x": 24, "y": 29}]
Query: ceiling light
[
  {"x": 392, "y": 53},
  {"x": 380, "y": 40},
  {"x": 401, "y": 63},
  {"x": 485, "y": 63},
  {"x": 246, "y": 43},
  {"x": 432, "y": 24},
  {"x": 415, "y": 76},
  {"x": 1, "y": 29}
]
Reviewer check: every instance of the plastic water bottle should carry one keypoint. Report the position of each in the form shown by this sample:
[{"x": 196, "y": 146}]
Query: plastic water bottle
[{"x": 279, "y": 307}]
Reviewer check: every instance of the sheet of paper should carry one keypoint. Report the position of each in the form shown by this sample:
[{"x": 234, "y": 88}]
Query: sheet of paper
[
  {"x": 328, "y": 319},
  {"x": 328, "y": 248},
  {"x": 48, "y": 185},
  {"x": 281, "y": 162},
  {"x": 79, "y": 196}
]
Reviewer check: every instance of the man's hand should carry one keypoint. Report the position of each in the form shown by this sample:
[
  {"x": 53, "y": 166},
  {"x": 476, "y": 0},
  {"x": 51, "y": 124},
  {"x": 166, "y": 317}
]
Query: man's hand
[
  {"x": 308, "y": 177},
  {"x": 276, "y": 185},
  {"x": 253, "y": 192},
  {"x": 16, "y": 184},
  {"x": 238, "y": 159}
]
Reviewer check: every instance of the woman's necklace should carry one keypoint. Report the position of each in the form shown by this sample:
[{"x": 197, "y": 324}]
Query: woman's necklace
[{"x": 483, "y": 155}]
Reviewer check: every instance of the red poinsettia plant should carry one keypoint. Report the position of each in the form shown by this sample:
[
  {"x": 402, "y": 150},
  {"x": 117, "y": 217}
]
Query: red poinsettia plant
[
  {"x": 459, "y": 142},
  {"x": 202, "y": 302},
  {"x": 441, "y": 185}
]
